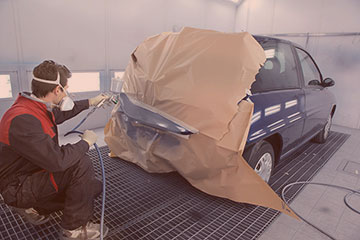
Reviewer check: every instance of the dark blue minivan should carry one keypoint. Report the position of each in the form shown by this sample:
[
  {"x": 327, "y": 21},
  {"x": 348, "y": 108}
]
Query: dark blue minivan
[{"x": 291, "y": 105}]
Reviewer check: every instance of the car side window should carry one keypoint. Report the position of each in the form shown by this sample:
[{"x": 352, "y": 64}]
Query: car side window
[
  {"x": 279, "y": 70},
  {"x": 309, "y": 69}
]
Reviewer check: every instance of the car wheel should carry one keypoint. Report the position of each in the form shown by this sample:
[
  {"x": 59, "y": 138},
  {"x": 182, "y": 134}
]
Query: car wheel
[
  {"x": 261, "y": 159},
  {"x": 323, "y": 135}
]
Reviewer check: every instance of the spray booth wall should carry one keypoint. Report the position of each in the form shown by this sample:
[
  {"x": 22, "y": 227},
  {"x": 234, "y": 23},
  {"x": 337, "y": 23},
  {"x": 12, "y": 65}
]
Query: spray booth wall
[{"x": 96, "y": 35}]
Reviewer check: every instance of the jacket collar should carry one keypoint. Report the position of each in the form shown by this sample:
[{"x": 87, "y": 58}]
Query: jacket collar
[{"x": 47, "y": 105}]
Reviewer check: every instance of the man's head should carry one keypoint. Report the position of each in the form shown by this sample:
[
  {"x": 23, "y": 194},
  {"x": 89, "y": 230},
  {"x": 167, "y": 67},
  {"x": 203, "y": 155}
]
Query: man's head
[{"x": 49, "y": 70}]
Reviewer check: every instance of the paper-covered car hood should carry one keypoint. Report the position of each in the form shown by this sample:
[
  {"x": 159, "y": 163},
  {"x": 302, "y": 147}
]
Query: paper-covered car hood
[{"x": 199, "y": 78}]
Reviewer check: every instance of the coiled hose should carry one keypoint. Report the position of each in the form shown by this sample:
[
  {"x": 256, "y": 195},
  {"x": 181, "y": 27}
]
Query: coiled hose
[{"x": 351, "y": 191}]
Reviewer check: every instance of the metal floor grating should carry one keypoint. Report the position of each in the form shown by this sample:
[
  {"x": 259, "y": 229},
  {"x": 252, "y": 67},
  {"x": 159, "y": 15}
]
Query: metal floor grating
[{"x": 140, "y": 205}]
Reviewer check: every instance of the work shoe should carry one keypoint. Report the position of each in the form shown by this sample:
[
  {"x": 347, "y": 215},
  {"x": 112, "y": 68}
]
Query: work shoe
[
  {"x": 32, "y": 216},
  {"x": 89, "y": 231}
]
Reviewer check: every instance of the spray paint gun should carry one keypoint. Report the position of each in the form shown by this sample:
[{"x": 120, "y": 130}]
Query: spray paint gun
[
  {"x": 115, "y": 90},
  {"x": 112, "y": 98},
  {"x": 113, "y": 95}
]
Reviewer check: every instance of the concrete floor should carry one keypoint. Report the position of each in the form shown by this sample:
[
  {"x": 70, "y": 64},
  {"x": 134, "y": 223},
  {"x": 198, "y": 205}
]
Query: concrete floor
[{"x": 323, "y": 206}]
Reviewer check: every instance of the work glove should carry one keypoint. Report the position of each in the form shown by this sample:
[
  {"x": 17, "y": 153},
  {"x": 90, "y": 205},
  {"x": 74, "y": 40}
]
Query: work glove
[
  {"x": 90, "y": 137},
  {"x": 96, "y": 100}
]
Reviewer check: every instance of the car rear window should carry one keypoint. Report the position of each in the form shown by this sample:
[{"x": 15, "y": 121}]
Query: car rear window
[{"x": 279, "y": 70}]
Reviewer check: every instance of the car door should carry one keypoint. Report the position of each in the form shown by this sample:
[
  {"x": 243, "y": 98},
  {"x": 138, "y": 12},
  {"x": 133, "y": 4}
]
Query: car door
[
  {"x": 278, "y": 97},
  {"x": 317, "y": 107}
]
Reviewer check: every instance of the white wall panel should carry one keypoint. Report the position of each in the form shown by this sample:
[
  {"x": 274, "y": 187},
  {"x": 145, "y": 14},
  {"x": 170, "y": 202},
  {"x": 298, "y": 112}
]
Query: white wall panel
[
  {"x": 8, "y": 47},
  {"x": 293, "y": 16},
  {"x": 297, "y": 16},
  {"x": 220, "y": 16},
  {"x": 185, "y": 13},
  {"x": 260, "y": 16},
  {"x": 340, "y": 16},
  {"x": 241, "y": 16},
  {"x": 130, "y": 22},
  {"x": 71, "y": 32}
]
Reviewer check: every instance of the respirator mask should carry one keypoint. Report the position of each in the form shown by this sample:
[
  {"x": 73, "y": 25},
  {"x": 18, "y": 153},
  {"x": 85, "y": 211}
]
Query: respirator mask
[{"x": 66, "y": 103}]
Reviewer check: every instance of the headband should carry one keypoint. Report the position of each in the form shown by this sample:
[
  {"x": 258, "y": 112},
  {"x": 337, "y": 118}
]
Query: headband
[{"x": 57, "y": 82}]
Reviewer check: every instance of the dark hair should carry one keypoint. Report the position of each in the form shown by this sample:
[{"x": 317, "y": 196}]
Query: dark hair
[{"x": 48, "y": 70}]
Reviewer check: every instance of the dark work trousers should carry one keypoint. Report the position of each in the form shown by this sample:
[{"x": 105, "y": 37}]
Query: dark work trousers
[{"x": 75, "y": 193}]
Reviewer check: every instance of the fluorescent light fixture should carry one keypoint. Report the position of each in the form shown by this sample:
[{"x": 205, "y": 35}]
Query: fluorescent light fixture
[
  {"x": 5, "y": 86},
  {"x": 84, "y": 82}
]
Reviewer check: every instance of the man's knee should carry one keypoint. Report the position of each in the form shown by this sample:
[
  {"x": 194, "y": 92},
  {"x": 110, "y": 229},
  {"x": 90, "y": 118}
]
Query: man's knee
[
  {"x": 84, "y": 166},
  {"x": 86, "y": 163},
  {"x": 81, "y": 172},
  {"x": 97, "y": 187}
]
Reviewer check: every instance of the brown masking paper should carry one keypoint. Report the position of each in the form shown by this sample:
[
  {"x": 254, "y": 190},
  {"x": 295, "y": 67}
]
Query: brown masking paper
[{"x": 198, "y": 77}]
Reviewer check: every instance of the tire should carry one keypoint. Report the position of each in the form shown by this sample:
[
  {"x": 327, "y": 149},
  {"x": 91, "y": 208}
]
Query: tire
[
  {"x": 324, "y": 134},
  {"x": 261, "y": 158}
]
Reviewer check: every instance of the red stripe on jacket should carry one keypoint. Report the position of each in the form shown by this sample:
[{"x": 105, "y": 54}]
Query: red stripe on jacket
[{"x": 22, "y": 106}]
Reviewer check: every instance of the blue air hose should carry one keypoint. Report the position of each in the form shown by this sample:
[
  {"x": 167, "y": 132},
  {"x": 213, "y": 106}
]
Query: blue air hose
[
  {"x": 81, "y": 122},
  {"x": 102, "y": 173}
]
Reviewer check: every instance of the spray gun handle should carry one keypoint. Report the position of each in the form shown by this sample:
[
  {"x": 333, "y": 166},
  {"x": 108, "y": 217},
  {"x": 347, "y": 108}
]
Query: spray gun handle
[{"x": 100, "y": 103}]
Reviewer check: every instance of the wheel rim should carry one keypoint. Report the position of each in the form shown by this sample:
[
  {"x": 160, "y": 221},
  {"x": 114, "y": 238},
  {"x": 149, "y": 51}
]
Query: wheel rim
[
  {"x": 264, "y": 166},
  {"x": 327, "y": 127}
]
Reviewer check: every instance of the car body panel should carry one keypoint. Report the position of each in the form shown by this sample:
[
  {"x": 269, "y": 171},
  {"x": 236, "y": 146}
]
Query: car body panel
[
  {"x": 281, "y": 112},
  {"x": 296, "y": 115},
  {"x": 318, "y": 106}
]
